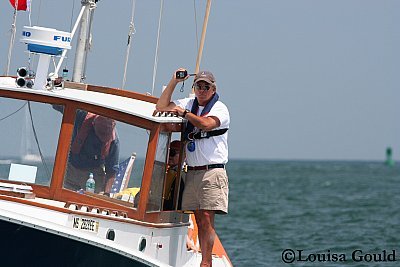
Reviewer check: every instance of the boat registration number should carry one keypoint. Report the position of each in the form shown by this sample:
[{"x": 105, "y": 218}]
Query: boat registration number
[{"x": 85, "y": 224}]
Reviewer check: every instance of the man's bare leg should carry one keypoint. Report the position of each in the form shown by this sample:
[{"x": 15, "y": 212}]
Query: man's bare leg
[{"x": 205, "y": 224}]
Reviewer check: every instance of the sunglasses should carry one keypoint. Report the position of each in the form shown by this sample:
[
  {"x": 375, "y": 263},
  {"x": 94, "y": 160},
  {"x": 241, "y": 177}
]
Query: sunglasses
[
  {"x": 203, "y": 88},
  {"x": 173, "y": 152}
]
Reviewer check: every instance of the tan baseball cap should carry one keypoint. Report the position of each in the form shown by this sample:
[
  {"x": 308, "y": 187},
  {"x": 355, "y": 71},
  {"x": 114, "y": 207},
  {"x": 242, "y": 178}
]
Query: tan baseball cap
[{"x": 206, "y": 76}]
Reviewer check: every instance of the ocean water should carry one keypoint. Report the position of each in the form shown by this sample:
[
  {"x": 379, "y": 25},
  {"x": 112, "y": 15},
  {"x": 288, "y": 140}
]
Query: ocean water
[
  {"x": 312, "y": 213},
  {"x": 324, "y": 211}
]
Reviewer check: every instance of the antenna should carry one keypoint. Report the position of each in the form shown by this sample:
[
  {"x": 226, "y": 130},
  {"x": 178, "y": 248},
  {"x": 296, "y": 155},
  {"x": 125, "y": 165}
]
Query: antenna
[{"x": 47, "y": 43}]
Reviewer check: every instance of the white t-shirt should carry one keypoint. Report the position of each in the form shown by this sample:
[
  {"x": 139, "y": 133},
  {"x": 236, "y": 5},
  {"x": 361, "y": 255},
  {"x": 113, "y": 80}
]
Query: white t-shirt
[{"x": 211, "y": 150}]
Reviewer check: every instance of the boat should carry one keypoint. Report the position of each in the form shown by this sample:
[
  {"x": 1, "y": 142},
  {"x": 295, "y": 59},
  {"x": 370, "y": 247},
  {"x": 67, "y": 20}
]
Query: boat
[{"x": 51, "y": 224}]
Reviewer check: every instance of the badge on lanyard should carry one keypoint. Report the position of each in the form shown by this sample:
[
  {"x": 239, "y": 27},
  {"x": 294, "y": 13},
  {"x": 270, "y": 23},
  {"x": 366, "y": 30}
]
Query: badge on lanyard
[{"x": 191, "y": 146}]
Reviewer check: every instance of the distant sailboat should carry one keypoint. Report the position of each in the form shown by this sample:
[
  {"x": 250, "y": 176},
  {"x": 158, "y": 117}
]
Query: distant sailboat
[{"x": 28, "y": 153}]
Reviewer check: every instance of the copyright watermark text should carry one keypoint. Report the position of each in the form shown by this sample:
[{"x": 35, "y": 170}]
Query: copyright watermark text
[{"x": 358, "y": 255}]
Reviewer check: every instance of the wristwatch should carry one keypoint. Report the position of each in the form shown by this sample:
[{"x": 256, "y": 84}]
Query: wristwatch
[{"x": 185, "y": 112}]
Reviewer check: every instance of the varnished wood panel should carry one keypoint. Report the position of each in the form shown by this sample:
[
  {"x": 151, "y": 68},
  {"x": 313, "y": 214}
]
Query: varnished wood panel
[{"x": 121, "y": 92}]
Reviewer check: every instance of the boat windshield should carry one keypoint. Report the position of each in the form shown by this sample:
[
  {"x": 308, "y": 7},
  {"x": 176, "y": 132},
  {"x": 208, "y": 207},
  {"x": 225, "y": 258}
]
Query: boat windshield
[
  {"x": 28, "y": 141},
  {"x": 111, "y": 152}
]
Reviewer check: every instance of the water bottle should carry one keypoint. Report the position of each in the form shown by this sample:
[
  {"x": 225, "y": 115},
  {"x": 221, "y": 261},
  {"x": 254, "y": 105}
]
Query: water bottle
[
  {"x": 90, "y": 184},
  {"x": 65, "y": 74}
]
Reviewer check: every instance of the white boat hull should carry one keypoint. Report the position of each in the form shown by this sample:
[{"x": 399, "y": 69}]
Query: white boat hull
[{"x": 164, "y": 246}]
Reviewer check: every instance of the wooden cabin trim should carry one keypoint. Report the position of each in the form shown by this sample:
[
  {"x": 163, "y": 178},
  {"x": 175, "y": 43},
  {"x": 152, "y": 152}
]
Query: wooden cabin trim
[
  {"x": 166, "y": 216},
  {"x": 107, "y": 90},
  {"x": 111, "y": 91},
  {"x": 75, "y": 85},
  {"x": 89, "y": 214},
  {"x": 165, "y": 172},
  {"x": 148, "y": 171},
  {"x": 179, "y": 175},
  {"x": 42, "y": 191},
  {"x": 26, "y": 96},
  {"x": 122, "y": 92},
  {"x": 62, "y": 152},
  {"x": 68, "y": 196}
]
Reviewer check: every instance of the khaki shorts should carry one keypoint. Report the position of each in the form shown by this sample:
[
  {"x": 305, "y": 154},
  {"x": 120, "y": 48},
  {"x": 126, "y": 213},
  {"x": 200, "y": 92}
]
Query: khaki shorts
[{"x": 206, "y": 190}]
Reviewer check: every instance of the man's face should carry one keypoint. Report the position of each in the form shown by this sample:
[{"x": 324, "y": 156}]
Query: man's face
[
  {"x": 103, "y": 128},
  {"x": 203, "y": 91},
  {"x": 173, "y": 157}
]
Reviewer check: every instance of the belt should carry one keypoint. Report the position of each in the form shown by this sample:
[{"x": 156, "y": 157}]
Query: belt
[{"x": 206, "y": 167}]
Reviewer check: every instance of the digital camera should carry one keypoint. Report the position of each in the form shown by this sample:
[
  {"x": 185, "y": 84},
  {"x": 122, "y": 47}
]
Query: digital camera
[{"x": 180, "y": 74}]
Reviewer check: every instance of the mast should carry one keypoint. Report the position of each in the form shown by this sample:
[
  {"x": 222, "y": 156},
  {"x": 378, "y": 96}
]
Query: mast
[
  {"x": 72, "y": 35},
  {"x": 83, "y": 43},
  {"x": 88, "y": 45},
  {"x": 203, "y": 37}
]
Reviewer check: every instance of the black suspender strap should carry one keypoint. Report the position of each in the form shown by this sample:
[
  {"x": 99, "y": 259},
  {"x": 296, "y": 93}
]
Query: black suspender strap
[{"x": 201, "y": 134}]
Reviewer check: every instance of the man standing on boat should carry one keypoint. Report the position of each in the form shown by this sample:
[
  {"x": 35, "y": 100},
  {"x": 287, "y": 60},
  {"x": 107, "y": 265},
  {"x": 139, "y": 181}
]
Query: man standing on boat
[{"x": 206, "y": 186}]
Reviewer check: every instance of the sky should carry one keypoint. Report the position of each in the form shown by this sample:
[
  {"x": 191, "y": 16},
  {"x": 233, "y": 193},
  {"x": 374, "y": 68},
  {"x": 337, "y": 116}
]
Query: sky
[{"x": 303, "y": 80}]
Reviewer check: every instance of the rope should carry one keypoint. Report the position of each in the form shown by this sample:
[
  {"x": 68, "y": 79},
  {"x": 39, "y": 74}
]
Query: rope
[
  {"x": 40, "y": 8},
  {"x": 34, "y": 133},
  {"x": 30, "y": 12},
  {"x": 12, "y": 113},
  {"x": 12, "y": 39},
  {"x": 158, "y": 41},
  {"x": 72, "y": 16},
  {"x": 37, "y": 142},
  {"x": 70, "y": 28},
  {"x": 195, "y": 23},
  {"x": 131, "y": 32},
  {"x": 72, "y": 35}
]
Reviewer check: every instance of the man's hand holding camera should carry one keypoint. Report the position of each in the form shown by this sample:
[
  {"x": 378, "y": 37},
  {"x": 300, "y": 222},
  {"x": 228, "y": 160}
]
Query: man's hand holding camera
[
  {"x": 165, "y": 104},
  {"x": 180, "y": 75}
]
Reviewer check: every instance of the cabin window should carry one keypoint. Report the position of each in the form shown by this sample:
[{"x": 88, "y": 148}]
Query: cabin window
[
  {"x": 28, "y": 141},
  {"x": 111, "y": 150},
  {"x": 159, "y": 171},
  {"x": 164, "y": 190}
]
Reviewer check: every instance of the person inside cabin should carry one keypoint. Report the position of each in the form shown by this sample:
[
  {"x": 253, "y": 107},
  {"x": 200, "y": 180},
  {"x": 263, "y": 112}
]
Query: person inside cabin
[
  {"x": 206, "y": 184},
  {"x": 172, "y": 173},
  {"x": 94, "y": 149}
]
